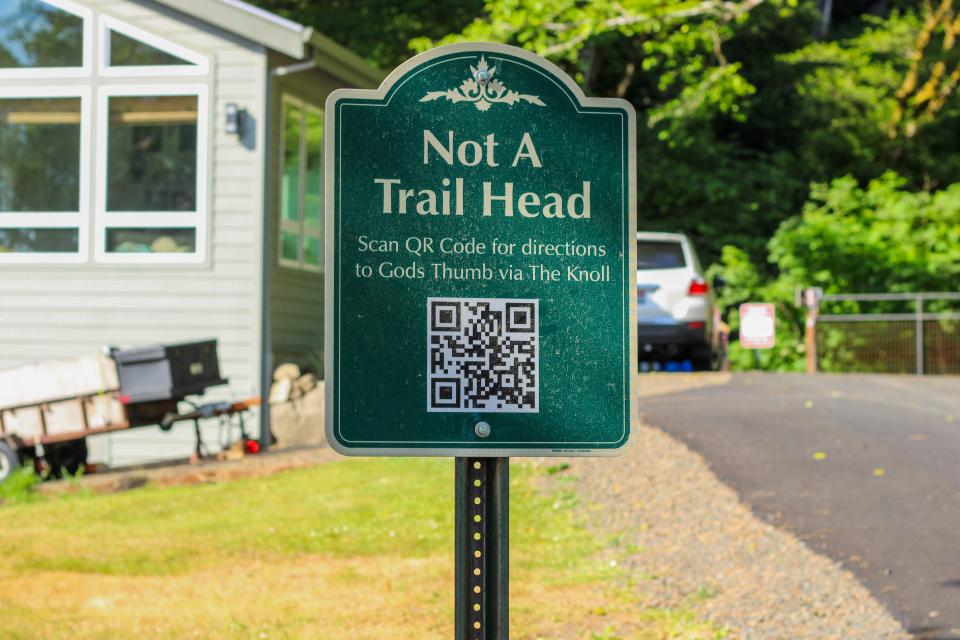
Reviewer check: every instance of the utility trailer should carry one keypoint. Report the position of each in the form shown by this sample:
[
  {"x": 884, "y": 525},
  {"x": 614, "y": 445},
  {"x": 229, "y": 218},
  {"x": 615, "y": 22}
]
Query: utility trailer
[{"x": 48, "y": 409}]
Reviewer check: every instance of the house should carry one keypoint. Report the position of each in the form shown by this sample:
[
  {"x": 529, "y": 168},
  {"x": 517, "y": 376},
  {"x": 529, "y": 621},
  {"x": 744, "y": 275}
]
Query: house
[{"x": 161, "y": 181}]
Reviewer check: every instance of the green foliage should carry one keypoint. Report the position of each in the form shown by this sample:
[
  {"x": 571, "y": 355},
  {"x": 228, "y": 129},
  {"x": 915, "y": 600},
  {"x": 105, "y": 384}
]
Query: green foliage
[
  {"x": 878, "y": 238},
  {"x": 690, "y": 68},
  {"x": 19, "y": 487},
  {"x": 743, "y": 108}
]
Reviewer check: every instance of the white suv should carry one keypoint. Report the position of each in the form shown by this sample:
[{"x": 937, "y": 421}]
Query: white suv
[{"x": 677, "y": 317}]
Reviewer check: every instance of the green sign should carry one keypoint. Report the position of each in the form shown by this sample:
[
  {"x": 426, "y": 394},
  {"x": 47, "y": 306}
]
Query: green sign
[{"x": 481, "y": 261}]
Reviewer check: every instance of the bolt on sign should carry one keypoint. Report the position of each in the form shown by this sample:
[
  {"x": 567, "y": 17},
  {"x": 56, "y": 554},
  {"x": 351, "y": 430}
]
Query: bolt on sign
[
  {"x": 480, "y": 261},
  {"x": 757, "y": 325}
]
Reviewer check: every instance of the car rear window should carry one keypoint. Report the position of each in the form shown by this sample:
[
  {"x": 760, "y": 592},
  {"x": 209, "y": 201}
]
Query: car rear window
[{"x": 659, "y": 255}]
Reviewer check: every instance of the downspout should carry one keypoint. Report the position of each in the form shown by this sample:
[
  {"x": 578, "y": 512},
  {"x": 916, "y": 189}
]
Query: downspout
[
  {"x": 266, "y": 343},
  {"x": 291, "y": 69},
  {"x": 266, "y": 347}
]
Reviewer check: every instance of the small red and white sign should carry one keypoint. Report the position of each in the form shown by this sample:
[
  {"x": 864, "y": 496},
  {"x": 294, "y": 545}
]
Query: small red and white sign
[{"x": 757, "y": 325}]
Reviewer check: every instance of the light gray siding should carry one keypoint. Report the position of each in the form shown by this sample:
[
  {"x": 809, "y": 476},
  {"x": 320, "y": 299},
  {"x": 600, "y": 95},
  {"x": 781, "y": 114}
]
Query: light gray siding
[
  {"x": 51, "y": 311},
  {"x": 296, "y": 295}
]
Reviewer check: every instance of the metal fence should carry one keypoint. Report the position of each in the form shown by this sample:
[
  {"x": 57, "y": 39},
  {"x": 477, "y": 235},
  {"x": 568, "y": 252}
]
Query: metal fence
[{"x": 924, "y": 339}]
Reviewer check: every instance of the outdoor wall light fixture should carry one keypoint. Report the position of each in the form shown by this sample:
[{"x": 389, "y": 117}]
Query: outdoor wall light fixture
[{"x": 233, "y": 118}]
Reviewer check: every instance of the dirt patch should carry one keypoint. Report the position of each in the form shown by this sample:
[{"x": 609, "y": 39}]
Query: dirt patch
[
  {"x": 362, "y": 598},
  {"x": 183, "y": 473},
  {"x": 310, "y": 597}
]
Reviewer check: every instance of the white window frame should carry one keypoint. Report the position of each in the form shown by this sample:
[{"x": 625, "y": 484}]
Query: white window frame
[
  {"x": 197, "y": 219},
  {"x": 298, "y": 227},
  {"x": 106, "y": 24},
  {"x": 83, "y": 71},
  {"x": 56, "y": 219}
]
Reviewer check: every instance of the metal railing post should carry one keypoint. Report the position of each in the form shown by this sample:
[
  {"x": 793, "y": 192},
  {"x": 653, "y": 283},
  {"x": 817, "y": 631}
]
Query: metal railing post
[
  {"x": 810, "y": 329},
  {"x": 919, "y": 334}
]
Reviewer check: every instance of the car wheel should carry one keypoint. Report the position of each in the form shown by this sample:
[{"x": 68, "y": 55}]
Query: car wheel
[
  {"x": 702, "y": 359},
  {"x": 9, "y": 461}
]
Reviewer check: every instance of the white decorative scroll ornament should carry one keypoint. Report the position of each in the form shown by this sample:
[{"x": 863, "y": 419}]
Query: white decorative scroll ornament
[{"x": 482, "y": 90}]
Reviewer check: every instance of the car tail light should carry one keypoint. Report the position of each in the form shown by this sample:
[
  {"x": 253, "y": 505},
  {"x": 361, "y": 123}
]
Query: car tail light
[
  {"x": 698, "y": 287},
  {"x": 696, "y": 325}
]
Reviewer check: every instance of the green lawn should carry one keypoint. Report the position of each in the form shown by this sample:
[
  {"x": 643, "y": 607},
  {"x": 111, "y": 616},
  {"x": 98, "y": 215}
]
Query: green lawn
[{"x": 359, "y": 548}]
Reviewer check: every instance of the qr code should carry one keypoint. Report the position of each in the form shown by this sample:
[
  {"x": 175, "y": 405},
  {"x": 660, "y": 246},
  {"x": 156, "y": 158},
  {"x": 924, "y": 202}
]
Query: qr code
[{"x": 482, "y": 355}]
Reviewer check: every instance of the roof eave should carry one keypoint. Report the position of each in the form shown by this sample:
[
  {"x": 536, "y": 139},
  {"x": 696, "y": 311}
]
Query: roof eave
[
  {"x": 274, "y": 33},
  {"x": 281, "y": 35},
  {"x": 340, "y": 61}
]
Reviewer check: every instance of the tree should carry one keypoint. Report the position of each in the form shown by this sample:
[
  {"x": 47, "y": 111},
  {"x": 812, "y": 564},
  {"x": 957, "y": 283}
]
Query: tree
[
  {"x": 379, "y": 30},
  {"x": 686, "y": 65},
  {"x": 934, "y": 71},
  {"x": 741, "y": 106},
  {"x": 860, "y": 104}
]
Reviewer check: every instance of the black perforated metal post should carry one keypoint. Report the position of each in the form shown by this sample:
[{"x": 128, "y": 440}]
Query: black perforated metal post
[{"x": 482, "y": 551}]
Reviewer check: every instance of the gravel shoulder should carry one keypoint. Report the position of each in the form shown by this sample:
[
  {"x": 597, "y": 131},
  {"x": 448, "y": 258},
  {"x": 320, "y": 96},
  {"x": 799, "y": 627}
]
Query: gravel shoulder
[{"x": 687, "y": 541}]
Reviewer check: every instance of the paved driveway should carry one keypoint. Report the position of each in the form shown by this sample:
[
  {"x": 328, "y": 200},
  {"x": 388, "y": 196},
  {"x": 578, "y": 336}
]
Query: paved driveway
[{"x": 865, "y": 469}]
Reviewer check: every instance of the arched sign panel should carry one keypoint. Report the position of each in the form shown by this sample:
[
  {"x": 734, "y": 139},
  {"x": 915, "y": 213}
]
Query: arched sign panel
[{"x": 480, "y": 261}]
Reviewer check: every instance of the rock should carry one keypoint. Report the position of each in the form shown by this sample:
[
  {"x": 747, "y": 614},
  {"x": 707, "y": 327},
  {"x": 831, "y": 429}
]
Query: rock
[
  {"x": 299, "y": 422},
  {"x": 295, "y": 392},
  {"x": 286, "y": 371},
  {"x": 306, "y": 382},
  {"x": 289, "y": 389},
  {"x": 280, "y": 391}
]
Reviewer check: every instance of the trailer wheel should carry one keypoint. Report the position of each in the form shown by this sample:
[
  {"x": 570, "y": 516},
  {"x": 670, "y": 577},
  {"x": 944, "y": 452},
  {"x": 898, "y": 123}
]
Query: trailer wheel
[
  {"x": 9, "y": 460},
  {"x": 69, "y": 457}
]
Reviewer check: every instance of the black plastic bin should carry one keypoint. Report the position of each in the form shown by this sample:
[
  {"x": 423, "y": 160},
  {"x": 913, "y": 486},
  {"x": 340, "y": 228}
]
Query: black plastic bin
[{"x": 167, "y": 372}]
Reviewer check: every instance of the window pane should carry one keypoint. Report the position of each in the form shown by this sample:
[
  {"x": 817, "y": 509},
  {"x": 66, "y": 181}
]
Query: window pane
[
  {"x": 311, "y": 251},
  {"x": 313, "y": 193},
  {"x": 290, "y": 178},
  {"x": 128, "y": 52},
  {"x": 659, "y": 255},
  {"x": 152, "y": 157},
  {"x": 151, "y": 240},
  {"x": 36, "y": 34},
  {"x": 289, "y": 243},
  {"x": 39, "y": 241},
  {"x": 39, "y": 154}
]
